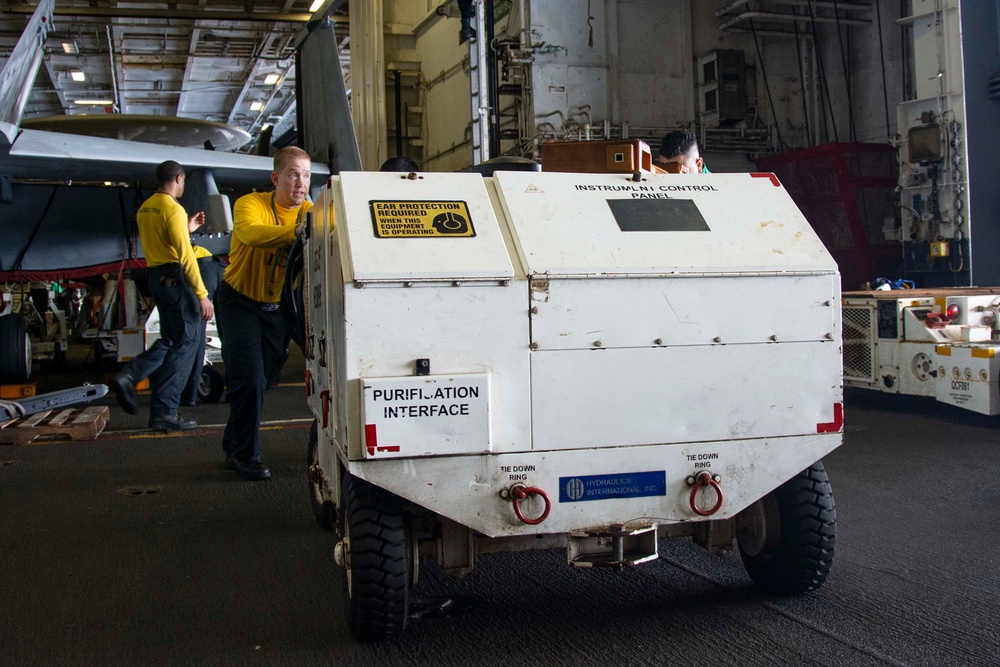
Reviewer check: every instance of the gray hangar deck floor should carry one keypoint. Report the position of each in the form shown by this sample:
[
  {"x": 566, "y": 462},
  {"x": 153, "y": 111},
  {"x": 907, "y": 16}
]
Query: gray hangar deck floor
[{"x": 199, "y": 568}]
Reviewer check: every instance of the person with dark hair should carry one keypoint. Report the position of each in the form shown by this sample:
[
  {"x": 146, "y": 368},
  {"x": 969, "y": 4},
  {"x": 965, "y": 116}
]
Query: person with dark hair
[
  {"x": 679, "y": 153},
  {"x": 253, "y": 331},
  {"x": 180, "y": 296},
  {"x": 399, "y": 163}
]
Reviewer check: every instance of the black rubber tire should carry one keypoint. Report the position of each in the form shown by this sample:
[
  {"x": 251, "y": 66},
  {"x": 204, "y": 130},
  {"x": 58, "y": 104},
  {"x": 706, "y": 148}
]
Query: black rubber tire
[
  {"x": 324, "y": 510},
  {"x": 212, "y": 385},
  {"x": 376, "y": 576},
  {"x": 15, "y": 350},
  {"x": 797, "y": 553}
]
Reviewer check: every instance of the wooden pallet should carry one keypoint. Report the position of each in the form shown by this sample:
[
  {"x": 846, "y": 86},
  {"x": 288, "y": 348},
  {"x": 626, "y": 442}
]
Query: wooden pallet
[{"x": 68, "y": 423}]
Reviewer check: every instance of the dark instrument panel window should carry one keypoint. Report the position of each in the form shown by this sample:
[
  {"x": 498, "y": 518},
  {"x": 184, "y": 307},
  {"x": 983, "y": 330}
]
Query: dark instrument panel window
[{"x": 657, "y": 215}]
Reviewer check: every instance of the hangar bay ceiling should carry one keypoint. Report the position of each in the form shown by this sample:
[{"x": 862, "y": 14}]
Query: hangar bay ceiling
[{"x": 223, "y": 61}]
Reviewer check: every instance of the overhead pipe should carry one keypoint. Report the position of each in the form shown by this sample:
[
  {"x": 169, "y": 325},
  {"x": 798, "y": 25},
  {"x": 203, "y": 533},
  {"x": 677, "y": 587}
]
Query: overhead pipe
[
  {"x": 777, "y": 16},
  {"x": 114, "y": 75},
  {"x": 802, "y": 81},
  {"x": 773, "y": 33},
  {"x": 823, "y": 80},
  {"x": 398, "y": 90},
  {"x": 845, "y": 63},
  {"x": 173, "y": 14},
  {"x": 493, "y": 91},
  {"x": 823, "y": 4}
]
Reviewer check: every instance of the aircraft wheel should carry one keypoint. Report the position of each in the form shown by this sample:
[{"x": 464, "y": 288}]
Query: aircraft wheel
[{"x": 15, "y": 349}]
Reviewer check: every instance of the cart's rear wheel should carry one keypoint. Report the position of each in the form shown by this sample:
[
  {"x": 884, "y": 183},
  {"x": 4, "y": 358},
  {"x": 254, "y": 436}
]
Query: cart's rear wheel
[
  {"x": 376, "y": 577},
  {"x": 787, "y": 538},
  {"x": 15, "y": 349},
  {"x": 212, "y": 385},
  {"x": 324, "y": 510}
]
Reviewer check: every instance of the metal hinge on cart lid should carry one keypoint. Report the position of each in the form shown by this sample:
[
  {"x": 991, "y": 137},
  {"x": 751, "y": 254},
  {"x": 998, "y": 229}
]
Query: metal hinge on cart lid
[{"x": 426, "y": 415}]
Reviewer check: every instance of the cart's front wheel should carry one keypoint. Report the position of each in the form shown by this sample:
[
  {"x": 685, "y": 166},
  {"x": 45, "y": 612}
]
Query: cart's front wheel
[
  {"x": 787, "y": 538},
  {"x": 376, "y": 577}
]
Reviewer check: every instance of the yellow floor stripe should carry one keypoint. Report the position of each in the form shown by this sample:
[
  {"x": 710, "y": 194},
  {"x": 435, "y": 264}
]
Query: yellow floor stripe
[{"x": 273, "y": 425}]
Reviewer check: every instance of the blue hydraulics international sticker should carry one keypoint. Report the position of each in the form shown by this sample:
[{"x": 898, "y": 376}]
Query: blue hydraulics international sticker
[{"x": 619, "y": 485}]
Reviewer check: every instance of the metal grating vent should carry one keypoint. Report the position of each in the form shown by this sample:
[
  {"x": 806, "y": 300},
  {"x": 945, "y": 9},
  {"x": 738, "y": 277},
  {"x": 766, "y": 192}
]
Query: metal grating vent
[{"x": 859, "y": 343}]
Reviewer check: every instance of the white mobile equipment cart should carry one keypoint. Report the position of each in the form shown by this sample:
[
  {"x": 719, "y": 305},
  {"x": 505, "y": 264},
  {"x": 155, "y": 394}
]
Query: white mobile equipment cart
[{"x": 589, "y": 362}]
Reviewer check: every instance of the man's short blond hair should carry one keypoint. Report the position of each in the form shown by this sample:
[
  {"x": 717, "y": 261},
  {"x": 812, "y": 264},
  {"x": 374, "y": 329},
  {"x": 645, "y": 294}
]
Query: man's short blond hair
[{"x": 287, "y": 155}]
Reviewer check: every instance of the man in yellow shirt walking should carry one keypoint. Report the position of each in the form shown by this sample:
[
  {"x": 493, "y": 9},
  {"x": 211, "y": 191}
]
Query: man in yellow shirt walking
[
  {"x": 254, "y": 335},
  {"x": 180, "y": 296}
]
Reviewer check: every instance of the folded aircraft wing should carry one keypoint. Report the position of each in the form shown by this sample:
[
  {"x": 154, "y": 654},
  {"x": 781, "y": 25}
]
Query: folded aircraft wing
[
  {"x": 67, "y": 157},
  {"x": 67, "y": 202}
]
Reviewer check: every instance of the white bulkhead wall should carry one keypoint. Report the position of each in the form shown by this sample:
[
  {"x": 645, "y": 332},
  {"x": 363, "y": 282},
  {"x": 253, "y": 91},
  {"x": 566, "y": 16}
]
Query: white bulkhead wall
[{"x": 638, "y": 69}]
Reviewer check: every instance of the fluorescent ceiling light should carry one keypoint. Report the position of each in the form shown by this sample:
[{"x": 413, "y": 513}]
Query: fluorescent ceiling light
[
  {"x": 315, "y": 5},
  {"x": 78, "y": 75},
  {"x": 271, "y": 79},
  {"x": 96, "y": 103},
  {"x": 256, "y": 106},
  {"x": 69, "y": 47},
  {"x": 264, "y": 127}
]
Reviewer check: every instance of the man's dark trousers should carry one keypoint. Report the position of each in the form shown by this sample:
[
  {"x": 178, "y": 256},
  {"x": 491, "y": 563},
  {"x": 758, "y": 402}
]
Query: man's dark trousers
[
  {"x": 173, "y": 352},
  {"x": 211, "y": 270},
  {"x": 253, "y": 345}
]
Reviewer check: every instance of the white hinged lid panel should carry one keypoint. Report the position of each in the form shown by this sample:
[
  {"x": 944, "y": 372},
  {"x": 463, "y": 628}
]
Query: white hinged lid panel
[
  {"x": 432, "y": 227},
  {"x": 601, "y": 224}
]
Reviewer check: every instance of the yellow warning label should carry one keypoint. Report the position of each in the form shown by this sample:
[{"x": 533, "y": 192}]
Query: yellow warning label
[{"x": 426, "y": 219}]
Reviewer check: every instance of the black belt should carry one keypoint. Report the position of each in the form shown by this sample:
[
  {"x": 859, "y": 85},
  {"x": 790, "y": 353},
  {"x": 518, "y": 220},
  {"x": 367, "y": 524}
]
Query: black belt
[
  {"x": 169, "y": 266},
  {"x": 168, "y": 273},
  {"x": 267, "y": 307}
]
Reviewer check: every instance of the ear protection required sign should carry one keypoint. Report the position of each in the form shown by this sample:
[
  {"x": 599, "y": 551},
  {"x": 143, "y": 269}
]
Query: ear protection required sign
[{"x": 421, "y": 219}]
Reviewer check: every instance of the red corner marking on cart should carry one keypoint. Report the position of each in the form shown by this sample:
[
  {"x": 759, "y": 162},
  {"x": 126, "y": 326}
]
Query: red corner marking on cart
[
  {"x": 371, "y": 442},
  {"x": 838, "y": 421},
  {"x": 766, "y": 174}
]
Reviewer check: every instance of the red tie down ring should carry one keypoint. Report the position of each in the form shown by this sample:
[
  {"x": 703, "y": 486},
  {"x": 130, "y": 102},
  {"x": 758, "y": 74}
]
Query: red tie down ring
[
  {"x": 519, "y": 493},
  {"x": 703, "y": 479}
]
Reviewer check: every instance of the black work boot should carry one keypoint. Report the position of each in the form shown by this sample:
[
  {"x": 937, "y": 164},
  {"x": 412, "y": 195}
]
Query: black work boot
[
  {"x": 124, "y": 388},
  {"x": 172, "y": 423},
  {"x": 252, "y": 472}
]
